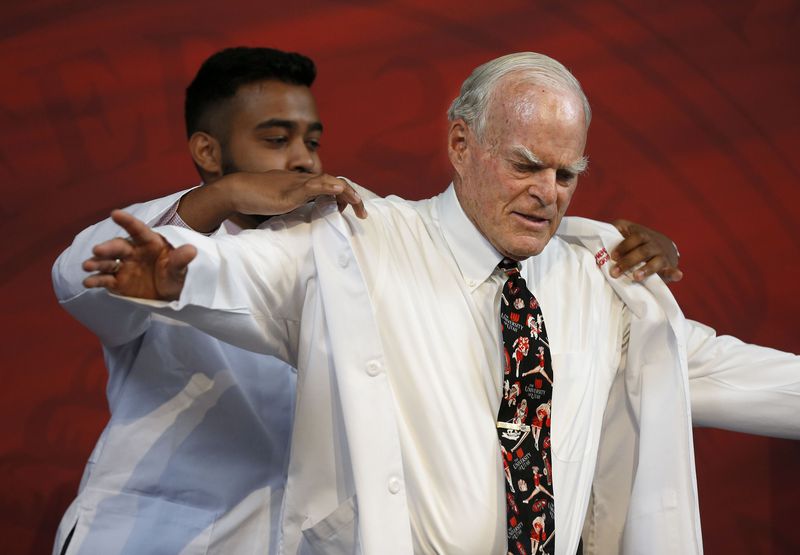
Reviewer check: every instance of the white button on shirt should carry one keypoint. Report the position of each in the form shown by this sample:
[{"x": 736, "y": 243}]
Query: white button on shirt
[
  {"x": 373, "y": 368},
  {"x": 433, "y": 290}
]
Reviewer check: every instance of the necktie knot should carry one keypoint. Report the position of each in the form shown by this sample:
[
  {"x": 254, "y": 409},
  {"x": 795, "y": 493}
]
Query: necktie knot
[{"x": 509, "y": 266}]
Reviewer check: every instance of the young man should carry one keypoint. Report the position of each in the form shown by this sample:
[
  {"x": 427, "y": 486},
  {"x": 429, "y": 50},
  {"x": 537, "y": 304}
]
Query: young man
[{"x": 194, "y": 456}]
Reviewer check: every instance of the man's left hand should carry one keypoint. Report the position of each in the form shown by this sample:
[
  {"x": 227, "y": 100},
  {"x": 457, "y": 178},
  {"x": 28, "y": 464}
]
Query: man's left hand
[{"x": 646, "y": 252}]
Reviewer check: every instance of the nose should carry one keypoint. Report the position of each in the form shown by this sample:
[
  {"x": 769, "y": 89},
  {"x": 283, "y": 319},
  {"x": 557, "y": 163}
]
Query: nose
[
  {"x": 301, "y": 158},
  {"x": 544, "y": 186}
]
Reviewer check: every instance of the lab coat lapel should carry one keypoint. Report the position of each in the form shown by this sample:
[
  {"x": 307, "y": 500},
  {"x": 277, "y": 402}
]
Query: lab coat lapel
[
  {"x": 363, "y": 387},
  {"x": 663, "y": 515}
]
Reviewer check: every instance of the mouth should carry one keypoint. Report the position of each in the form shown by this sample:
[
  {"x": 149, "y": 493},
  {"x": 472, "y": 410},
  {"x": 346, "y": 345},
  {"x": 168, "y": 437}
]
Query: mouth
[{"x": 531, "y": 221}]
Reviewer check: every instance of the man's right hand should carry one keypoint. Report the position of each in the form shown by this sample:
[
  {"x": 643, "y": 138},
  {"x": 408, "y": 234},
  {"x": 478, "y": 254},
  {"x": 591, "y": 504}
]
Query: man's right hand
[
  {"x": 144, "y": 265},
  {"x": 262, "y": 194}
]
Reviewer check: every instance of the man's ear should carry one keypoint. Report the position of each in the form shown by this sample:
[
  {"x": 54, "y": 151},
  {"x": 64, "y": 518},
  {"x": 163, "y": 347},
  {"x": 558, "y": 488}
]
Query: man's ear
[
  {"x": 457, "y": 143},
  {"x": 206, "y": 153}
]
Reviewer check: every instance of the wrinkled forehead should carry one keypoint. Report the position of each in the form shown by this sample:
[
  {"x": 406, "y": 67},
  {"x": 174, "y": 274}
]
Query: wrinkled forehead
[{"x": 519, "y": 99}]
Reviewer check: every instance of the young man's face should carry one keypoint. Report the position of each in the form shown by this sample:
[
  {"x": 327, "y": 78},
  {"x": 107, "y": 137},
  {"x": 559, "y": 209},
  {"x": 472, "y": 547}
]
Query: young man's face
[{"x": 272, "y": 126}]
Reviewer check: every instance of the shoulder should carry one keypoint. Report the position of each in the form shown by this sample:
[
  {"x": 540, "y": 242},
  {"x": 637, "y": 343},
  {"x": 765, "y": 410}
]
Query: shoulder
[
  {"x": 569, "y": 270},
  {"x": 562, "y": 254},
  {"x": 152, "y": 209}
]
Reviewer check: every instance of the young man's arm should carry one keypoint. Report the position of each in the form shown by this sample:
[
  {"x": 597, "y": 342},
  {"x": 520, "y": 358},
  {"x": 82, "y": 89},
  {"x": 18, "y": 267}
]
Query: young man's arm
[
  {"x": 247, "y": 289},
  {"x": 113, "y": 321},
  {"x": 645, "y": 251},
  {"x": 261, "y": 194}
]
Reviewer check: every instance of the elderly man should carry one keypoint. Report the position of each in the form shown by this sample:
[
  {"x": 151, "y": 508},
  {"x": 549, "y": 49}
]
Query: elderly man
[{"x": 392, "y": 323}]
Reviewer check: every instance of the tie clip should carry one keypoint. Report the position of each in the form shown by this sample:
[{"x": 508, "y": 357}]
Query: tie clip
[{"x": 510, "y": 426}]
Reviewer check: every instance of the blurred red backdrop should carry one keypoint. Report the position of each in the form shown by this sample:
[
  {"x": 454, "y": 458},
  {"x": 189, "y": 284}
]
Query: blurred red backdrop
[{"x": 696, "y": 122}]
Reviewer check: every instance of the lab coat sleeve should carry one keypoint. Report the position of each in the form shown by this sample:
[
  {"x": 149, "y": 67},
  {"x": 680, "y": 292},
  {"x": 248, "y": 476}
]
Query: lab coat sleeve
[
  {"x": 742, "y": 387},
  {"x": 248, "y": 290},
  {"x": 114, "y": 321}
]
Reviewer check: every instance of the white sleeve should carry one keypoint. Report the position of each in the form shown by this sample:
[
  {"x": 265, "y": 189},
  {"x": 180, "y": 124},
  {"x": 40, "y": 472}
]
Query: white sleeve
[
  {"x": 114, "y": 321},
  {"x": 742, "y": 387},
  {"x": 249, "y": 289}
]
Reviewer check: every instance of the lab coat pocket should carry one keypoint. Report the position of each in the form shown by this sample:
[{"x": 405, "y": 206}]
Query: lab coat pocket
[
  {"x": 130, "y": 523},
  {"x": 336, "y": 534},
  {"x": 570, "y": 434}
]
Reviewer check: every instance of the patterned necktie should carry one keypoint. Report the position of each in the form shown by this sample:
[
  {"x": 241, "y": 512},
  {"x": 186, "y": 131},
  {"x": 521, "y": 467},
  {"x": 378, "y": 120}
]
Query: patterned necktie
[{"x": 523, "y": 421}]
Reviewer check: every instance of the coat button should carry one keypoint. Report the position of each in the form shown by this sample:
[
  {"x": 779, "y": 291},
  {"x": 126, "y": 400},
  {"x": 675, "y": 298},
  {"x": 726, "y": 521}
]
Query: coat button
[
  {"x": 394, "y": 485},
  {"x": 344, "y": 260},
  {"x": 373, "y": 368}
]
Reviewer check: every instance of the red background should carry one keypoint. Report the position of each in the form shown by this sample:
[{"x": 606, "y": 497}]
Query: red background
[{"x": 696, "y": 132}]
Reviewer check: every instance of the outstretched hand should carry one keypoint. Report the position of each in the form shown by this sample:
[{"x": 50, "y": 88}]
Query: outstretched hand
[
  {"x": 144, "y": 265},
  {"x": 644, "y": 247}
]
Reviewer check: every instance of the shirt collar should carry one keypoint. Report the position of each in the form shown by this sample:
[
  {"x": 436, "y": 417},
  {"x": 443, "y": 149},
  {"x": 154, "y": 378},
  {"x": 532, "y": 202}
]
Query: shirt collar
[{"x": 474, "y": 254}]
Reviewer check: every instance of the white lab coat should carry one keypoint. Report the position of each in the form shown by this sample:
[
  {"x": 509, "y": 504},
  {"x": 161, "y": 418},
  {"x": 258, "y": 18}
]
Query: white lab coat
[
  {"x": 672, "y": 363},
  {"x": 345, "y": 490},
  {"x": 193, "y": 458}
]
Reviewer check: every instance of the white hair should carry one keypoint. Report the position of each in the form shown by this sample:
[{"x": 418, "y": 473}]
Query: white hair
[{"x": 476, "y": 91}]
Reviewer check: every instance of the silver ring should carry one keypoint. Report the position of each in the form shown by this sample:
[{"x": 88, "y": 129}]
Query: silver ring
[{"x": 117, "y": 265}]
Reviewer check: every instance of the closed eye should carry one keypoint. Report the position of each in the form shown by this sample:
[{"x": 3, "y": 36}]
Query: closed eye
[
  {"x": 280, "y": 140},
  {"x": 525, "y": 167},
  {"x": 565, "y": 175}
]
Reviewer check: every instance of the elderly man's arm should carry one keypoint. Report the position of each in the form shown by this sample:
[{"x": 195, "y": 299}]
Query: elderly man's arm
[{"x": 742, "y": 387}]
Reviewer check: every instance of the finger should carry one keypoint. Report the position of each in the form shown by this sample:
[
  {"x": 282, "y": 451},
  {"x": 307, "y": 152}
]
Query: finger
[
  {"x": 178, "y": 262},
  {"x": 312, "y": 188},
  {"x": 107, "y": 281},
  {"x": 102, "y": 265},
  {"x": 111, "y": 249},
  {"x": 350, "y": 196},
  {"x": 180, "y": 258},
  {"x": 170, "y": 284},
  {"x": 137, "y": 230},
  {"x": 623, "y": 226},
  {"x": 323, "y": 184},
  {"x": 641, "y": 254},
  {"x": 671, "y": 275},
  {"x": 628, "y": 244},
  {"x": 656, "y": 264}
]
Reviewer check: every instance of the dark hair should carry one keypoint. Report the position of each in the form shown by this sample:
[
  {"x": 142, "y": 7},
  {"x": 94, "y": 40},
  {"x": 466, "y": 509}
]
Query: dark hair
[{"x": 223, "y": 73}]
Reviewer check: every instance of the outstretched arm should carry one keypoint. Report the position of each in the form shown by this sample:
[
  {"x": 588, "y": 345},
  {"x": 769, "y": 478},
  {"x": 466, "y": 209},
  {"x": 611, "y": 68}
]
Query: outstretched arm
[
  {"x": 246, "y": 289},
  {"x": 115, "y": 322},
  {"x": 654, "y": 251},
  {"x": 742, "y": 387}
]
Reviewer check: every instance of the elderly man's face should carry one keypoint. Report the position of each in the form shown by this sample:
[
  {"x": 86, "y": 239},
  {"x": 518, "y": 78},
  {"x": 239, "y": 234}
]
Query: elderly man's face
[{"x": 516, "y": 184}]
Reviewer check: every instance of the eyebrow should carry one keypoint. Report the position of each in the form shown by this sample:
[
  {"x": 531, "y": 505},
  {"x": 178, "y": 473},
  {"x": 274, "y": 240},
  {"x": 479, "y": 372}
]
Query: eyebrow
[
  {"x": 577, "y": 167},
  {"x": 287, "y": 124}
]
